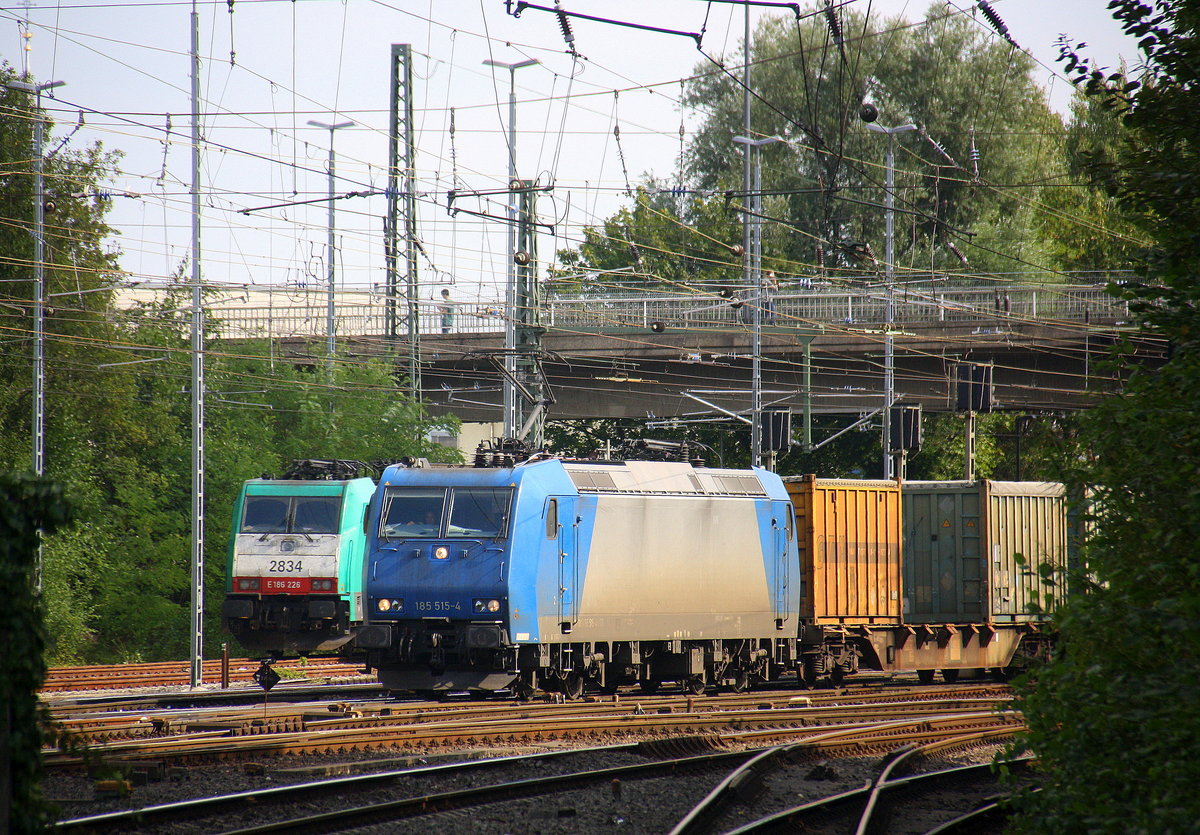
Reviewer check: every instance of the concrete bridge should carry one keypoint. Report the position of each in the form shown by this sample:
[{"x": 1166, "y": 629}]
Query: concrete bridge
[{"x": 687, "y": 355}]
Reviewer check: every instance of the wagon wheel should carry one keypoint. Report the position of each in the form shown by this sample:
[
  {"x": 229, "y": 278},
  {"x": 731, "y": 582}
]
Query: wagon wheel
[
  {"x": 694, "y": 686},
  {"x": 925, "y": 676},
  {"x": 572, "y": 686},
  {"x": 612, "y": 683},
  {"x": 523, "y": 690},
  {"x": 741, "y": 681},
  {"x": 808, "y": 674},
  {"x": 949, "y": 676},
  {"x": 650, "y": 685},
  {"x": 837, "y": 675}
]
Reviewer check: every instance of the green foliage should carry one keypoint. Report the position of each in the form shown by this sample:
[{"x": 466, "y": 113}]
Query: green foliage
[
  {"x": 944, "y": 75},
  {"x": 1083, "y": 223},
  {"x": 824, "y": 188},
  {"x": 26, "y": 505},
  {"x": 670, "y": 243},
  {"x": 118, "y": 428},
  {"x": 1112, "y": 718}
]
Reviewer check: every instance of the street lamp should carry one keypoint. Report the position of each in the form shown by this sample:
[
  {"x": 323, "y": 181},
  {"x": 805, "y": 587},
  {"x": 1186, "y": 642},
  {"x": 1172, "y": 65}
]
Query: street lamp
[
  {"x": 39, "y": 291},
  {"x": 753, "y": 220},
  {"x": 511, "y": 426},
  {"x": 889, "y": 355},
  {"x": 329, "y": 308}
]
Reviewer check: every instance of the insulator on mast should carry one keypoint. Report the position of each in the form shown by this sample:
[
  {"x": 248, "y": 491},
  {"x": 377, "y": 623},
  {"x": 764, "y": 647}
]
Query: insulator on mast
[
  {"x": 996, "y": 22},
  {"x": 974, "y": 156},
  {"x": 835, "y": 28},
  {"x": 564, "y": 24}
]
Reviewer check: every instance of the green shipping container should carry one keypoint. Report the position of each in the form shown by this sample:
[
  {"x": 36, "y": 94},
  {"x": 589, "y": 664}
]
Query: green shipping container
[{"x": 961, "y": 542}]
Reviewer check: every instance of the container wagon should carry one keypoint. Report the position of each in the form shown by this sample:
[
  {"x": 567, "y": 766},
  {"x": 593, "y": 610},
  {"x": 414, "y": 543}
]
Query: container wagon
[
  {"x": 850, "y": 571},
  {"x": 972, "y": 593},
  {"x": 922, "y": 575}
]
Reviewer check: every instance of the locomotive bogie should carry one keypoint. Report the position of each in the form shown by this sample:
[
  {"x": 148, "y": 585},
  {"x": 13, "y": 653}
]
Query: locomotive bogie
[{"x": 289, "y": 624}]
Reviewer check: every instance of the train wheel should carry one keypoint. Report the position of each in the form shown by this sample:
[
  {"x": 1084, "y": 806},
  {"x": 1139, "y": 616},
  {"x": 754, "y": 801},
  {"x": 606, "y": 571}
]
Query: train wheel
[
  {"x": 572, "y": 686},
  {"x": 523, "y": 690},
  {"x": 925, "y": 676},
  {"x": 949, "y": 676},
  {"x": 650, "y": 685},
  {"x": 741, "y": 681},
  {"x": 694, "y": 686},
  {"x": 808, "y": 674},
  {"x": 836, "y": 676}
]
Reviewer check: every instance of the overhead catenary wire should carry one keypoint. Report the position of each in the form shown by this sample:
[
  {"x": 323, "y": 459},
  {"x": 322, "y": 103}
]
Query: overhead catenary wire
[{"x": 297, "y": 171}]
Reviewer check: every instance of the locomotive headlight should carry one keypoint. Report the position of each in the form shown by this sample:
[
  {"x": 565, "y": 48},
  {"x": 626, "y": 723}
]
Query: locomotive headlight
[
  {"x": 248, "y": 584},
  {"x": 482, "y": 606},
  {"x": 441, "y": 552},
  {"x": 322, "y": 585},
  {"x": 387, "y": 605}
]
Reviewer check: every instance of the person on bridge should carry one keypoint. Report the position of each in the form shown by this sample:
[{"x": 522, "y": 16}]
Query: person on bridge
[
  {"x": 769, "y": 288},
  {"x": 446, "y": 308}
]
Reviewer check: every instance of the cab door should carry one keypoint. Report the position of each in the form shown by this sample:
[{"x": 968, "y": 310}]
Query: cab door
[
  {"x": 782, "y": 532},
  {"x": 563, "y": 527}
]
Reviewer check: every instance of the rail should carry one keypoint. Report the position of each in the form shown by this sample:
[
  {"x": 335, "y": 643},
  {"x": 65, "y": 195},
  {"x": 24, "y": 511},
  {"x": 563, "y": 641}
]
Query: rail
[{"x": 590, "y": 312}]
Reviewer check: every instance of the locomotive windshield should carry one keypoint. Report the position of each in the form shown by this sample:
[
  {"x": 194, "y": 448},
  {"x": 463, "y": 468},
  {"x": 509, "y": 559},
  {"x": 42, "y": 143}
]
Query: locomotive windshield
[
  {"x": 291, "y": 514},
  {"x": 422, "y": 512},
  {"x": 479, "y": 511}
]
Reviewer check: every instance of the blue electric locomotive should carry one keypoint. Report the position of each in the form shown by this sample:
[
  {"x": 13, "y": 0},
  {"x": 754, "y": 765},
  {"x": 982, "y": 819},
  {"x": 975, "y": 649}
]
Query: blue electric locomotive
[{"x": 559, "y": 575}]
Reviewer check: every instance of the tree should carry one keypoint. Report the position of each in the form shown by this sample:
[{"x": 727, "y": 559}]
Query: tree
[
  {"x": 1083, "y": 223},
  {"x": 947, "y": 75},
  {"x": 30, "y": 506},
  {"x": 663, "y": 241},
  {"x": 1111, "y": 717}
]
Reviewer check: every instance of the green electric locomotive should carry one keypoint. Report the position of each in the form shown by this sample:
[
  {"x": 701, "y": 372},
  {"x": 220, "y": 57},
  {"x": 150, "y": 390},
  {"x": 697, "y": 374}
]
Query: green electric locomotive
[{"x": 295, "y": 569}]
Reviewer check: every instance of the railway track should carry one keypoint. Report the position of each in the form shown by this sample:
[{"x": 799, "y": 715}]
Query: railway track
[
  {"x": 499, "y": 794},
  {"x": 178, "y": 673},
  {"x": 665, "y": 742},
  {"x": 275, "y": 729}
]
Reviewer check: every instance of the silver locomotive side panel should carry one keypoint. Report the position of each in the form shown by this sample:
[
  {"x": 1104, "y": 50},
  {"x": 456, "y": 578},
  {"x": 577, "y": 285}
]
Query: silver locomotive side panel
[{"x": 655, "y": 567}]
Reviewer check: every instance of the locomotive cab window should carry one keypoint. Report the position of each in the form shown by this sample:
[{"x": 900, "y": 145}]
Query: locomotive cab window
[
  {"x": 552, "y": 519},
  {"x": 412, "y": 512},
  {"x": 316, "y": 514},
  {"x": 479, "y": 511},
  {"x": 291, "y": 514},
  {"x": 265, "y": 514}
]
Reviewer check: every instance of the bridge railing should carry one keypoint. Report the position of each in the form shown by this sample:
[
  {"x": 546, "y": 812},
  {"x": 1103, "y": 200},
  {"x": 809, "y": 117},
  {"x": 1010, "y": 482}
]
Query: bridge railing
[{"x": 864, "y": 307}]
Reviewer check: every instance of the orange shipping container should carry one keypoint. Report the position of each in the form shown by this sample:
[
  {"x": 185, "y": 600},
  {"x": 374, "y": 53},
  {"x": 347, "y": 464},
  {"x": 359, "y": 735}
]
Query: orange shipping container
[{"x": 849, "y": 536}]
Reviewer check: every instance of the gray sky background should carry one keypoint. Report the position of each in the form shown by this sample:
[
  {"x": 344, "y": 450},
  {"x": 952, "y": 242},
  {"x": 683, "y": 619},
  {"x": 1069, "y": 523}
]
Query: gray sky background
[{"x": 127, "y": 67}]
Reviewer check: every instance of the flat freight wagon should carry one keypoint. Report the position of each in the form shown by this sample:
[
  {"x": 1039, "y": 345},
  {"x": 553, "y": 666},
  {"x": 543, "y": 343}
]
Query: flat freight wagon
[{"x": 922, "y": 576}]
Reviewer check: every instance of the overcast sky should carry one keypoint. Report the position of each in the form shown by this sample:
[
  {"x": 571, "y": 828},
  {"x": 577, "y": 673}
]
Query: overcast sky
[{"x": 126, "y": 68}]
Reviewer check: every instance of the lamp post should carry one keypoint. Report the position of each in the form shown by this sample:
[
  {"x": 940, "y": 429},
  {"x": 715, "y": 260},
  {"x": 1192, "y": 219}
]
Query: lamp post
[
  {"x": 510, "y": 331},
  {"x": 753, "y": 219},
  {"x": 330, "y": 344},
  {"x": 39, "y": 291},
  {"x": 889, "y": 354}
]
